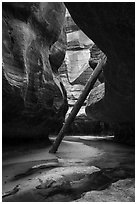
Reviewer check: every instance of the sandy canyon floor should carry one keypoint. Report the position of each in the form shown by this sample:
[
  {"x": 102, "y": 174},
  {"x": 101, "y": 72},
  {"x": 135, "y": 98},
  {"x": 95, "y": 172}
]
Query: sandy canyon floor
[{"x": 85, "y": 168}]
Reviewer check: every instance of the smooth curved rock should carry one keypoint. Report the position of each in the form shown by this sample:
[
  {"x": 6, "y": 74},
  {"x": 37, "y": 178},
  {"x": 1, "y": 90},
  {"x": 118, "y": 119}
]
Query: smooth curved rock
[
  {"x": 62, "y": 180},
  {"x": 34, "y": 98}
]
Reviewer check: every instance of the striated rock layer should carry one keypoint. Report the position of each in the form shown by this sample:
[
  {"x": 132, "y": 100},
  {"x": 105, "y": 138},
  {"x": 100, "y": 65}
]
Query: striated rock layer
[
  {"x": 34, "y": 45},
  {"x": 111, "y": 27}
]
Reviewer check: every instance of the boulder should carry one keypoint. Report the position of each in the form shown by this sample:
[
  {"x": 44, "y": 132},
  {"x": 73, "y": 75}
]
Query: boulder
[
  {"x": 94, "y": 99},
  {"x": 121, "y": 191},
  {"x": 34, "y": 45}
]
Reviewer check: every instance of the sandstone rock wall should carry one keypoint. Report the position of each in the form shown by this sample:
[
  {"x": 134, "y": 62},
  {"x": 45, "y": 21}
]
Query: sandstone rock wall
[
  {"x": 112, "y": 27},
  {"x": 34, "y": 45}
]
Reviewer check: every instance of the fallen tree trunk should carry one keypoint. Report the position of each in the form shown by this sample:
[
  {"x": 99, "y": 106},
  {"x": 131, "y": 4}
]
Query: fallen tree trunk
[{"x": 78, "y": 104}]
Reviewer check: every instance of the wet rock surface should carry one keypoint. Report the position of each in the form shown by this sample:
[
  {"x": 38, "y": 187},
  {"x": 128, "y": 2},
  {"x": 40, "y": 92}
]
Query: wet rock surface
[{"x": 83, "y": 169}]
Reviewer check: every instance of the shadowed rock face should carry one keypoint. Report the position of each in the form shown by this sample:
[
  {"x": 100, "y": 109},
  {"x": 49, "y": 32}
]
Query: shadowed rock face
[
  {"x": 111, "y": 27},
  {"x": 34, "y": 44}
]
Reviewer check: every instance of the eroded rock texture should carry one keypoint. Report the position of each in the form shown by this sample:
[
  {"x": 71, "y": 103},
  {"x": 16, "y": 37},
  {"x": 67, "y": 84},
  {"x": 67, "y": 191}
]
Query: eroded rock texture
[
  {"x": 34, "y": 44},
  {"x": 115, "y": 193},
  {"x": 111, "y": 27}
]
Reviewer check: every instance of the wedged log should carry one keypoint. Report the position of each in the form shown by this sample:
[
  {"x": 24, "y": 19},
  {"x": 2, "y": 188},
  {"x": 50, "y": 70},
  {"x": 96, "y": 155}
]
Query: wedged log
[
  {"x": 112, "y": 27},
  {"x": 34, "y": 98},
  {"x": 95, "y": 55}
]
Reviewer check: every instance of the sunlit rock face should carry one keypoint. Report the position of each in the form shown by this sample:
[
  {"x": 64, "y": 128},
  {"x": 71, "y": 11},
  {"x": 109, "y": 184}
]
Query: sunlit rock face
[
  {"x": 111, "y": 27},
  {"x": 34, "y": 45},
  {"x": 78, "y": 53}
]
